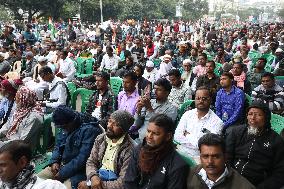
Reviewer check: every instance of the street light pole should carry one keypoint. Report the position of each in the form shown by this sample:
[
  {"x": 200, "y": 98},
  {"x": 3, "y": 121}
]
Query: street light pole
[{"x": 101, "y": 6}]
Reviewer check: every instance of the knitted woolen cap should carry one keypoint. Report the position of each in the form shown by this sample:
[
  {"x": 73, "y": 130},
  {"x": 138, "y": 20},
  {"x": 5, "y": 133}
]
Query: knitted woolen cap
[
  {"x": 63, "y": 115},
  {"x": 123, "y": 118}
]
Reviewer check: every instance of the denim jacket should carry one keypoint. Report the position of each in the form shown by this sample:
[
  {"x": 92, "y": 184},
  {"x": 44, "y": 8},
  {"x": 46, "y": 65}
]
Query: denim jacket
[{"x": 72, "y": 151}]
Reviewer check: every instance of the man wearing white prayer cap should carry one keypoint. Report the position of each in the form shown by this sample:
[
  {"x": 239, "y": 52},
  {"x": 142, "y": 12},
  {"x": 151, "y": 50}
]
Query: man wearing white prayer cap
[{"x": 151, "y": 73}]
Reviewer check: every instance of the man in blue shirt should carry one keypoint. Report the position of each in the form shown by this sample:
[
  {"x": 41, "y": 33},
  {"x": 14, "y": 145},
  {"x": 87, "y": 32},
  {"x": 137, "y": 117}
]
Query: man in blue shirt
[
  {"x": 229, "y": 101},
  {"x": 29, "y": 36}
]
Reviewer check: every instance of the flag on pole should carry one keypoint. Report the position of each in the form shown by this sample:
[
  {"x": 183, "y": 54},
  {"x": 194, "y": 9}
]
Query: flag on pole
[{"x": 51, "y": 27}]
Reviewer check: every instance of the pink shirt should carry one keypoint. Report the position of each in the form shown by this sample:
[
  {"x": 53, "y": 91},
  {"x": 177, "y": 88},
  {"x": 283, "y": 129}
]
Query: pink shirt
[{"x": 199, "y": 70}]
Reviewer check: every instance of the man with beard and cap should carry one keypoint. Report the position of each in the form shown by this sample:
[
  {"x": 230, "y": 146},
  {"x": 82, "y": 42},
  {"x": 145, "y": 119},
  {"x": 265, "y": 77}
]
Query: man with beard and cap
[
  {"x": 255, "y": 150},
  {"x": 73, "y": 146},
  {"x": 155, "y": 164},
  {"x": 110, "y": 154},
  {"x": 213, "y": 172}
]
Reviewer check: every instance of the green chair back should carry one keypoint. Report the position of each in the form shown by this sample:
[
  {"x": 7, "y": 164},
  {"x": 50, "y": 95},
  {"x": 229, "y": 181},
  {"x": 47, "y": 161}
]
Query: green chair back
[
  {"x": 254, "y": 55},
  {"x": 187, "y": 159},
  {"x": 269, "y": 58},
  {"x": 83, "y": 101},
  {"x": 248, "y": 98},
  {"x": 218, "y": 69},
  {"x": 277, "y": 123},
  {"x": 89, "y": 66},
  {"x": 72, "y": 88},
  {"x": 183, "y": 108},
  {"x": 157, "y": 62},
  {"x": 279, "y": 77},
  {"x": 41, "y": 161},
  {"x": 268, "y": 68},
  {"x": 80, "y": 65},
  {"x": 116, "y": 84}
]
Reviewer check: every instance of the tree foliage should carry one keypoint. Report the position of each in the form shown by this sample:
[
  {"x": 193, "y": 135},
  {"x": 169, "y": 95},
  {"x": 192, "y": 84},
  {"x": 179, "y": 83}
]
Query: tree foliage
[
  {"x": 280, "y": 12},
  {"x": 112, "y": 9},
  {"x": 195, "y": 9}
]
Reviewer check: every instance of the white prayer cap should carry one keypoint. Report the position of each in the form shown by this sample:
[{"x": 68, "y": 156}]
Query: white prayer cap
[
  {"x": 149, "y": 64},
  {"x": 187, "y": 61},
  {"x": 279, "y": 50},
  {"x": 42, "y": 59}
]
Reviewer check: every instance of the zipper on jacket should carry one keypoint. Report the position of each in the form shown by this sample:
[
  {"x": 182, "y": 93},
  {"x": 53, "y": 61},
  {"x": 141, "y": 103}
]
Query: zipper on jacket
[
  {"x": 248, "y": 156},
  {"x": 148, "y": 183}
]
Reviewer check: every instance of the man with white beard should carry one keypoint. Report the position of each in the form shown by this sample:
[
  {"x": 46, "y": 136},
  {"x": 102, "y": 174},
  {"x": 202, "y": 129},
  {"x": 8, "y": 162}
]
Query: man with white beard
[{"x": 255, "y": 150}]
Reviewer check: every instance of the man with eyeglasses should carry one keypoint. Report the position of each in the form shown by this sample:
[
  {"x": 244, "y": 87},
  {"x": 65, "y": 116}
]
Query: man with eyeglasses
[{"x": 195, "y": 123}]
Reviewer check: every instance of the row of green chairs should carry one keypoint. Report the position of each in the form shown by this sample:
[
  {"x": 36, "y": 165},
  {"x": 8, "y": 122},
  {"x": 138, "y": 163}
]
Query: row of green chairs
[
  {"x": 277, "y": 123},
  {"x": 80, "y": 96},
  {"x": 84, "y": 66}
]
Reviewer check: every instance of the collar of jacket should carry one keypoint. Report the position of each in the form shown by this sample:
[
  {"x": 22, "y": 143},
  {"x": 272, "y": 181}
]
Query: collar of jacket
[{"x": 199, "y": 167}]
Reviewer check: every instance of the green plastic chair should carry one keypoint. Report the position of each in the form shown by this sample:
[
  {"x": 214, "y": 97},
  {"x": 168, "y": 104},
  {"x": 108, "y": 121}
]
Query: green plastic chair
[
  {"x": 85, "y": 95},
  {"x": 254, "y": 55},
  {"x": 209, "y": 57},
  {"x": 248, "y": 98},
  {"x": 80, "y": 65},
  {"x": 277, "y": 123},
  {"x": 269, "y": 58},
  {"x": 268, "y": 68},
  {"x": 41, "y": 161},
  {"x": 72, "y": 88},
  {"x": 183, "y": 108},
  {"x": 157, "y": 62},
  {"x": 116, "y": 84},
  {"x": 89, "y": 66},
  {"x": 217, "y": 69},
  {"x": 187, "y": 159},
  {"x": 279, "y": 77}
]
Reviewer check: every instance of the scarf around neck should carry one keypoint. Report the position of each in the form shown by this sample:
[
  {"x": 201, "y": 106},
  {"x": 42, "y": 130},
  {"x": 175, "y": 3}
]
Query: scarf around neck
[
  {"x": 150, "y": 158},
  {"x": 25, "y": 177}
]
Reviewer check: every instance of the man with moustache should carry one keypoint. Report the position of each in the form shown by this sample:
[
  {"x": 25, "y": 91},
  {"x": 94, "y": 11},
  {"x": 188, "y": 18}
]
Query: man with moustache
[
  {"x": 213, "y": 171},
  {"x": 110, "y": 154},
  {"x": 155, "y": 164},
  {"x": 196, "y": 123},
  {"x": 255, "y": 150}
]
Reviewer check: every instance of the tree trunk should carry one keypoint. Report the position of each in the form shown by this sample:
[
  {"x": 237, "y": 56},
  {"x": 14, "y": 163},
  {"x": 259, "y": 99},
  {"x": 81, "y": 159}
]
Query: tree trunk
[{"x": 30, "y": 17}]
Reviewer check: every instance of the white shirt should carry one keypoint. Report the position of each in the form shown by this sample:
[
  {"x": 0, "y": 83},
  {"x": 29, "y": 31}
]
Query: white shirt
[
  {"x": 51, "y": 56},
  {"x": 109, "y": 63},
  {"x": 152, "y": 76},
  {"x": 59, "y": 94},
  {"x": 39, "y": 184},
  {"x": 209, "y": 182},
  {"x": 189, "y": 129},
  {"x": 91, "y": 35},
  {"x": 67, "y": 68}
]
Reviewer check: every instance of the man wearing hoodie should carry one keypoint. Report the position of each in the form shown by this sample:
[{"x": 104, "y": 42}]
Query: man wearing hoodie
[
  {"x": 255, "y": 150},
  {"x": 73, "y": 146}
]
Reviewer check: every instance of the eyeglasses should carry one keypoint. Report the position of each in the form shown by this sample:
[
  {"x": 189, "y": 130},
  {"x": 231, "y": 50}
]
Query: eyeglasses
[{"x": 202, "y": 98}]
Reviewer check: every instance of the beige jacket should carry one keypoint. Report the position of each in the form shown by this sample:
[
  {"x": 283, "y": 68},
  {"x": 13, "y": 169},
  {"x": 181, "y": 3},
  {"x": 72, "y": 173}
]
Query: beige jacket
[{"x": 121, "y": 161}]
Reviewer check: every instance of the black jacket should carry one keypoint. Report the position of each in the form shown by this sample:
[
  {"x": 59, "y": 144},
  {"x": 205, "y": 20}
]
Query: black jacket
[
  {"x": 171, "y": 174},
  {"x": 260, "y": 159}
]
